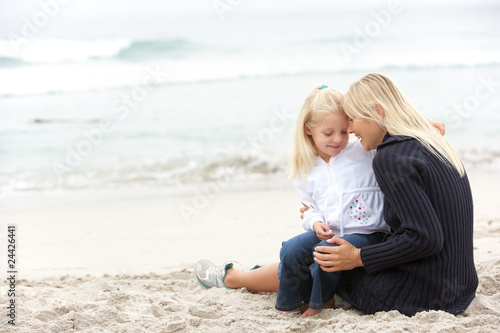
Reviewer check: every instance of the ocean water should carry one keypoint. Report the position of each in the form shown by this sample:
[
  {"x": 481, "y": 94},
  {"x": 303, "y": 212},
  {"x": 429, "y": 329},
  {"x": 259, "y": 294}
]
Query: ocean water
[{"x": 166, "y": 95}]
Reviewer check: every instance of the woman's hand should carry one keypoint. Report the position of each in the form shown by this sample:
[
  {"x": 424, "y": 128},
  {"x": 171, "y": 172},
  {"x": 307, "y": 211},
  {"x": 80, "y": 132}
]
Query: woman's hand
[
  {"x": 322, "y": 230},
  {"x": 437, "y": 125},
  {"x": 343, "y": 257}
]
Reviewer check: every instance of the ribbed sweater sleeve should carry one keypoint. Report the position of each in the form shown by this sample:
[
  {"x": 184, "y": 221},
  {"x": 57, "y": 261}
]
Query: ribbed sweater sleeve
[{"x": 399, "y": 172}]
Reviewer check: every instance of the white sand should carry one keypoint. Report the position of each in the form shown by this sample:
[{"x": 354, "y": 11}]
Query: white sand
[{"x": 122, "y": 261}]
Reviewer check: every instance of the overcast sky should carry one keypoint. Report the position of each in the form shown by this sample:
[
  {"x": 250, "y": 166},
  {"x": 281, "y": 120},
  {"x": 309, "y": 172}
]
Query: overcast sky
[{"x": 101, "y": 15}]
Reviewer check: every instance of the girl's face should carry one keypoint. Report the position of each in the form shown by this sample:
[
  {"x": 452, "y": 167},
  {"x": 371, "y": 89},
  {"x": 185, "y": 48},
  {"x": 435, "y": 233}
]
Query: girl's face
[
  {"x": 330, "y": 136},
  {"x": 368, "y": 131}
]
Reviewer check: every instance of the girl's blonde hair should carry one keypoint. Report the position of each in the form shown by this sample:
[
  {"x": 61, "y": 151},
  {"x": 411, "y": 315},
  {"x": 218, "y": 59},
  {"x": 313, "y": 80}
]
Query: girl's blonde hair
[
  {"x": 320, "y": 102},
  {"x": 399, "y": 116}
]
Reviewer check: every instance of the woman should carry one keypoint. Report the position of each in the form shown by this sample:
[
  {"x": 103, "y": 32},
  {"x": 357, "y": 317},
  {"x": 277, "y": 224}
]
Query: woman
[{"x": 426, "y": 263}]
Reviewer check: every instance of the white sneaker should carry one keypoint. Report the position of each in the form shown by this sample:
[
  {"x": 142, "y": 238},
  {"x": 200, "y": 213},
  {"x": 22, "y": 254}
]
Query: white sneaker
[{"x": 209, "y": 275}]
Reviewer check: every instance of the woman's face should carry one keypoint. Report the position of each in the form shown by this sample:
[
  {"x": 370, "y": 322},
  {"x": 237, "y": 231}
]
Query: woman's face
[{"x": 370, "y": 133}]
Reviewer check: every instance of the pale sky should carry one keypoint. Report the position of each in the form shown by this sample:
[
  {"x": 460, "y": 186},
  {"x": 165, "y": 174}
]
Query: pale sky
[{"x": 100, "y": 15}]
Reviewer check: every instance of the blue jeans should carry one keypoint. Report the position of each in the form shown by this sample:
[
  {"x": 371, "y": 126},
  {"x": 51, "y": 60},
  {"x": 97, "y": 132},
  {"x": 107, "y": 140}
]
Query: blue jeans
[{"x": 302, "y": 280}]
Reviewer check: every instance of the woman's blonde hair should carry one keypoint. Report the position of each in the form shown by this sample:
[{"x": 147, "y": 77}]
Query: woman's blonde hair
[
  {"x": 399, "y": 116},
  {"x": 320, "y": 102}
]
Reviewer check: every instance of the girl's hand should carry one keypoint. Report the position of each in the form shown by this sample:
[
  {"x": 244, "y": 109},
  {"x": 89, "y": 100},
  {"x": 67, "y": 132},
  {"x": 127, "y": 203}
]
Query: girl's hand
[
  {"x": 303, "y": 210},
  {"x": 343, "y": 257},
  {"x": 322, "y": 230}
]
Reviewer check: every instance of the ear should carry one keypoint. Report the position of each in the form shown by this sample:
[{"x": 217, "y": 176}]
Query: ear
[
  {"x": 307, "y": 129},
  {"x": 380, "y": 110}
]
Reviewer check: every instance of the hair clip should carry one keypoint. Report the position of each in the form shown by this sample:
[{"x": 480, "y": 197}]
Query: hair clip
[{"x": 324, "y": 86}]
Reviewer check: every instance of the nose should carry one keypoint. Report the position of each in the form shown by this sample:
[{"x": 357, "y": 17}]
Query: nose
[{"x": 337, "y": 138}]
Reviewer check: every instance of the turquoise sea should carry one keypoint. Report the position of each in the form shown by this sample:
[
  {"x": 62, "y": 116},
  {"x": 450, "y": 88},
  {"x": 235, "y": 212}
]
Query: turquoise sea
[{"x": 157, "y": 93}]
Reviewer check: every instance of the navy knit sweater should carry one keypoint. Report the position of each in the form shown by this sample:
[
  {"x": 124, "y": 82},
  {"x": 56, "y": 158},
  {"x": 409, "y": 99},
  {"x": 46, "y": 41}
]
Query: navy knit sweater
[{"x": 426, "y": 263}]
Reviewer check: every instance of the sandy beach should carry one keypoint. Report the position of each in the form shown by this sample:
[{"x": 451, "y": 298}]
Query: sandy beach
[{"x": 122, "y": 261}]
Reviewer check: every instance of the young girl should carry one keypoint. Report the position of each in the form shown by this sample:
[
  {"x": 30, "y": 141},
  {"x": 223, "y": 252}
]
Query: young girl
[{"x": 336, "y": 181}]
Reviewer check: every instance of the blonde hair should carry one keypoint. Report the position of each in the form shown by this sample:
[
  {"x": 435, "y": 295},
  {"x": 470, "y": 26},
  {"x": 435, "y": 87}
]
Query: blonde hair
[
  {"x": 320, "y": 102},
  {"x": 399, "y": 116}
]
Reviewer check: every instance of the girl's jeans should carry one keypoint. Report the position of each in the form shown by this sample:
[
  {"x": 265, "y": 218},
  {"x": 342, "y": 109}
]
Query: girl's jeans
[{"x": 302, "y": 280}]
